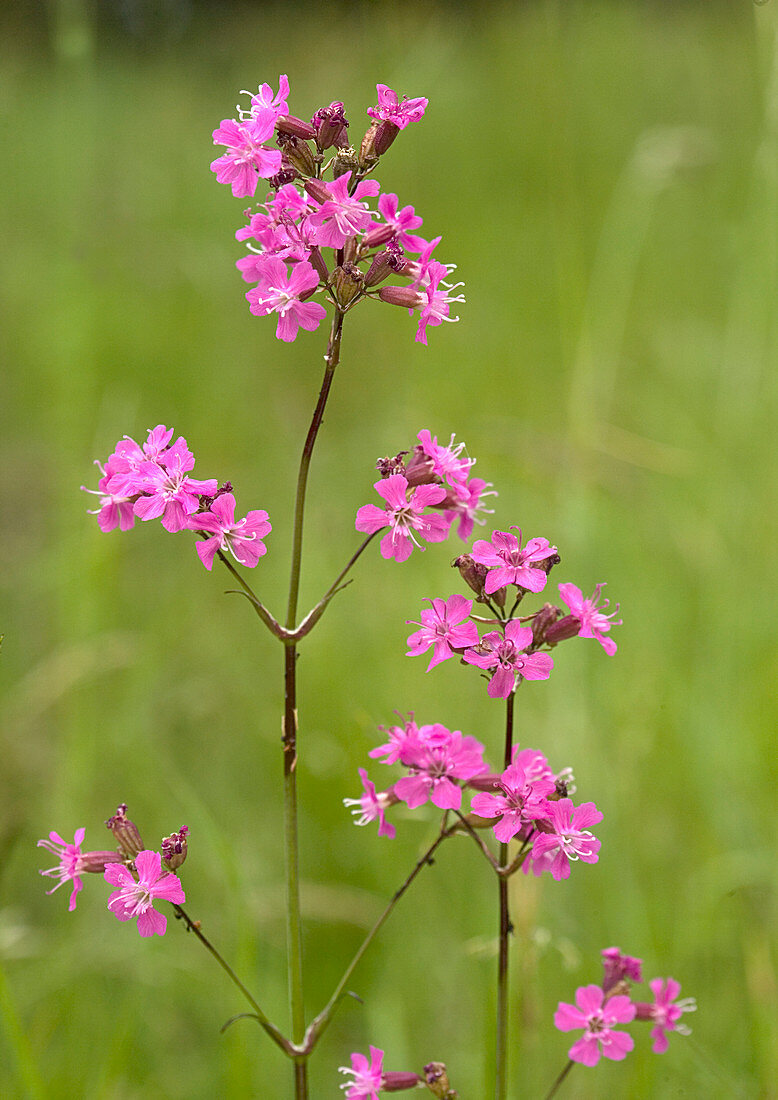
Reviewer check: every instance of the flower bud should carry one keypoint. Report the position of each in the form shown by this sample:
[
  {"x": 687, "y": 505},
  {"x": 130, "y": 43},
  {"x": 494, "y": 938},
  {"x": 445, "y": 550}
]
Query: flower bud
[
  {"x": 286, "y": 175},
  {"x": 400, "y": 296},
  {"x": 388, "y": 466},
  {"x": 318, "y": 190},
  {"x": 330, "y": 125},
  {"x": 125, "y": 833},
  {"x": 298, "y": 153},
  {"x": 436, "y": 1080},
  {"x": 390, "y": 260},
  {"x": 317, "y": 262},
  {"x": 174, "y": 848},
  {"x": 345, "y": 161},
  {"x": 288, "y": 124},
  {"x": 376, "y": 141},
  {"x": 399, "y": 1082},
  {"x": 347, "y": 282},
  {"x": 419, "y": 468},
  {"x": 547, "y": 615},
  {"x": 566, "y": 627}
]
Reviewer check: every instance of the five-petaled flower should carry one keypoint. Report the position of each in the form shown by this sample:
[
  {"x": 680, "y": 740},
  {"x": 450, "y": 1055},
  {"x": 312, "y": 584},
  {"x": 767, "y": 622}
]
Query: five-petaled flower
[
  {"x": 73, "y": 862},
  {"x": 598, "y": 1018},
  {"x": 390, "y": 108},
  {"x": 520, "y": 802},
  {"x": 282, "y": 293},
  {"x": 242, "y": 538},
  {"x": 444, "y": 628},
  {"x": 505, "y": 654},
  {"x": 594, "y": 622},
  {"x": 135, "y": 898},
  {"x": 367, "y": 1075},
  {"x": 403, "y": 515},
  {"x": 510, "y": 563},
  {"x": 565, "y": 837},
  {"x": 666, "y": 1011},
  {"x": 372, "y": 805}
]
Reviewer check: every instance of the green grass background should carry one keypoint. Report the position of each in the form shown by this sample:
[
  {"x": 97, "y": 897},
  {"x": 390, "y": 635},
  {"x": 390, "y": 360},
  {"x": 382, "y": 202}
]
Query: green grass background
[{"x": 604, "y": 174}]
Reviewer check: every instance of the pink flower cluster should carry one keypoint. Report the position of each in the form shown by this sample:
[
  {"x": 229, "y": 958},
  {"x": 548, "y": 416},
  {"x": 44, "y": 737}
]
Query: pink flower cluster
[
  {"x": 529, "y": 807},
  {"x": 510, "y": 652},
  {"x": 153, "y": 482},
  {"x": 599, "y": 1009},
  {"x": 435, "y": 477},
  {"x": 139, "y": 885},
  {"x": 304, "y": 214},
  {"x": 439, "y": 762}
]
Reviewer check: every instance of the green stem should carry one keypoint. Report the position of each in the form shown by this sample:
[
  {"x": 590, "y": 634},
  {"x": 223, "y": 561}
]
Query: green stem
[
  {"x": 555, "y": 1087},
  {"x": 270, "y": 1028},
  {"x": 291, "y": 847},
  {"x": 319, "y": 1024},
  {"x": 501, "y": 1069}
]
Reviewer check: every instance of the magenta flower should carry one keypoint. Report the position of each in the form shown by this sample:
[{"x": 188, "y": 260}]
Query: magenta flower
[
  {"x": 168, "y": 491},
  {"x": 243, "y": 539},
  {"x": 396, "y": 226},
  {"x": 469, "y": 505},
  {"x": 343, "y": 215},
  {"x": 597, "y": 1017},
  {"x": 441, "y": 629},
  {"x": 521, "y": 802},
  {"x": 136, "y": 899},
  {"x": 505, "y": 655},
  {"x": 565, "y": 837},
  {"x": 435, "y": 304},
  {"x": 665, "y": 1011},
  {"x": 281, "y": 293},
  {"x": 594, "y": 622},
  {"x": 116, "y": 510},
  {"x": 509, "y": 563},
  {"x": 403, "y": 515},
  {"x": 435, "y": 763},
  {"x": 264, "y": 100},
  {"x": 399, "y": 739},
  {"x": 73, "y": 862},
  {"x": 400, "y": 112},
  {"x": 248, "y": 158},
  {"x": 446, "y": 462},
  {"x": 372, "y": 805},
  {"x": 368, "y": 1076}
]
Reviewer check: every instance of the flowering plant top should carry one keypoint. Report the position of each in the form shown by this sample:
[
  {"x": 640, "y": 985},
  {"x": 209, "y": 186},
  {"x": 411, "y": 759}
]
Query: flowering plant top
[{"x": 317, "y": 231}]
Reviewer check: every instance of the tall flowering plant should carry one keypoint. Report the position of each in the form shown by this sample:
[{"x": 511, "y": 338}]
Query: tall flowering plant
[{"x": 324, "y": 239}]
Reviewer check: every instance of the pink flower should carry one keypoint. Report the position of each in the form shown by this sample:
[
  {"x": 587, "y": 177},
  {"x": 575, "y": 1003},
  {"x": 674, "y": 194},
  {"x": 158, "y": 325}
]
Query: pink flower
[
  {"x": 446, "y": 461},
  {"x": 136, "y": 899},
  {"x": 598, "y": 1020},
  {"x": 73, "y": 862},
  {"x": 264, "y": 100},
  {"x": 343, "y": 215},
  {"x": 521, "y": 802},
  {"x": 666, "y": 1011},
  {"x": 243, "y": 539},
  {"x": 469, "y": 504},
  {"x": 168, "y": 491},
  {"x": 372, "y": 805},
  {"x": 435, "y": 763},
  {"x": 435, "y": 304},
  {"x": 617, "y": 967},
  {"x": 565, "y": 837},
  {"x": 400, "y": 112},
  {"x": 396, "y": 227},
  {"x": 281, "y": 293},
  {"x": 594, "y": 622},
  {"x": 403, "y": 515},
  {"x": 368, "y": 1076},
  {"x": 399, "y": 739},
  {"x": 248, "y": 158},
  {"x": 440, "y": 628},
  {"x": 115, "y": 509},
  {"x": 505, "y": 655},
  {"x": 508, "y": 563}
]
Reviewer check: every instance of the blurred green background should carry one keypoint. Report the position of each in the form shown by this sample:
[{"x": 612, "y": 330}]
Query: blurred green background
[{"x": 604, "y": 175}]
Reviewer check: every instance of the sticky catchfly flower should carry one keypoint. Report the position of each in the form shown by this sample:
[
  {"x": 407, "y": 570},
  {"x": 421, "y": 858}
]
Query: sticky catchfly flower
[
  {"x": 242, "y": 538},
  {"x": 594, "y": 623},
  {"x": 372, "y": 805},
  {"x": 567, "y": 838},
  {"x": 505, "y": 655},
  {"x": 403, "y": 516},
  {"x": 444, "y": 628},
  {"x": 510, "y": 563},
  {"x": 136, "y": 898},
  {"x": 367, "y": 1075},
  {"x": 401, "y": 112},
  {"x": 665, "y": 1011},
  {"x": 280, "y": 292},
  {"x": 73, "y": 862},
  {"x": 598, "y": 1018}
]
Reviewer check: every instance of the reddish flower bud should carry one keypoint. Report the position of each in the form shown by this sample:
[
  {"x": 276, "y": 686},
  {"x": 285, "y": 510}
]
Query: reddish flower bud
[
  {"x": 174, "y": 848},
  {"x": 400, "y": 296},
  {"x": 288, "y": 124},
  {"x": 318, "y": 190},
  {"x": 388, "y": 466},
  {"x": 297, "y": 153},
  {"x": 95, "y": 862},
  {"x": 566, "y": 627},
  {"x": 545, "y": 618},
  {"x": 399, "y": 1082},
  {"x": 331, "y": 126},
  {"x": 125, "y": 832}
]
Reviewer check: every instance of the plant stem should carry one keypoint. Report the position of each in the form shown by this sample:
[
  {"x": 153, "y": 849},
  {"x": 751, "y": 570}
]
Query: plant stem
[
  {"x": 318, "y": 1025},
  {"x": 270, "y": 1028},
  {"x": 555, "y": 1087},
  {"x": 291, "y": 848},
  {"x": 501, "y": 1078}
]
